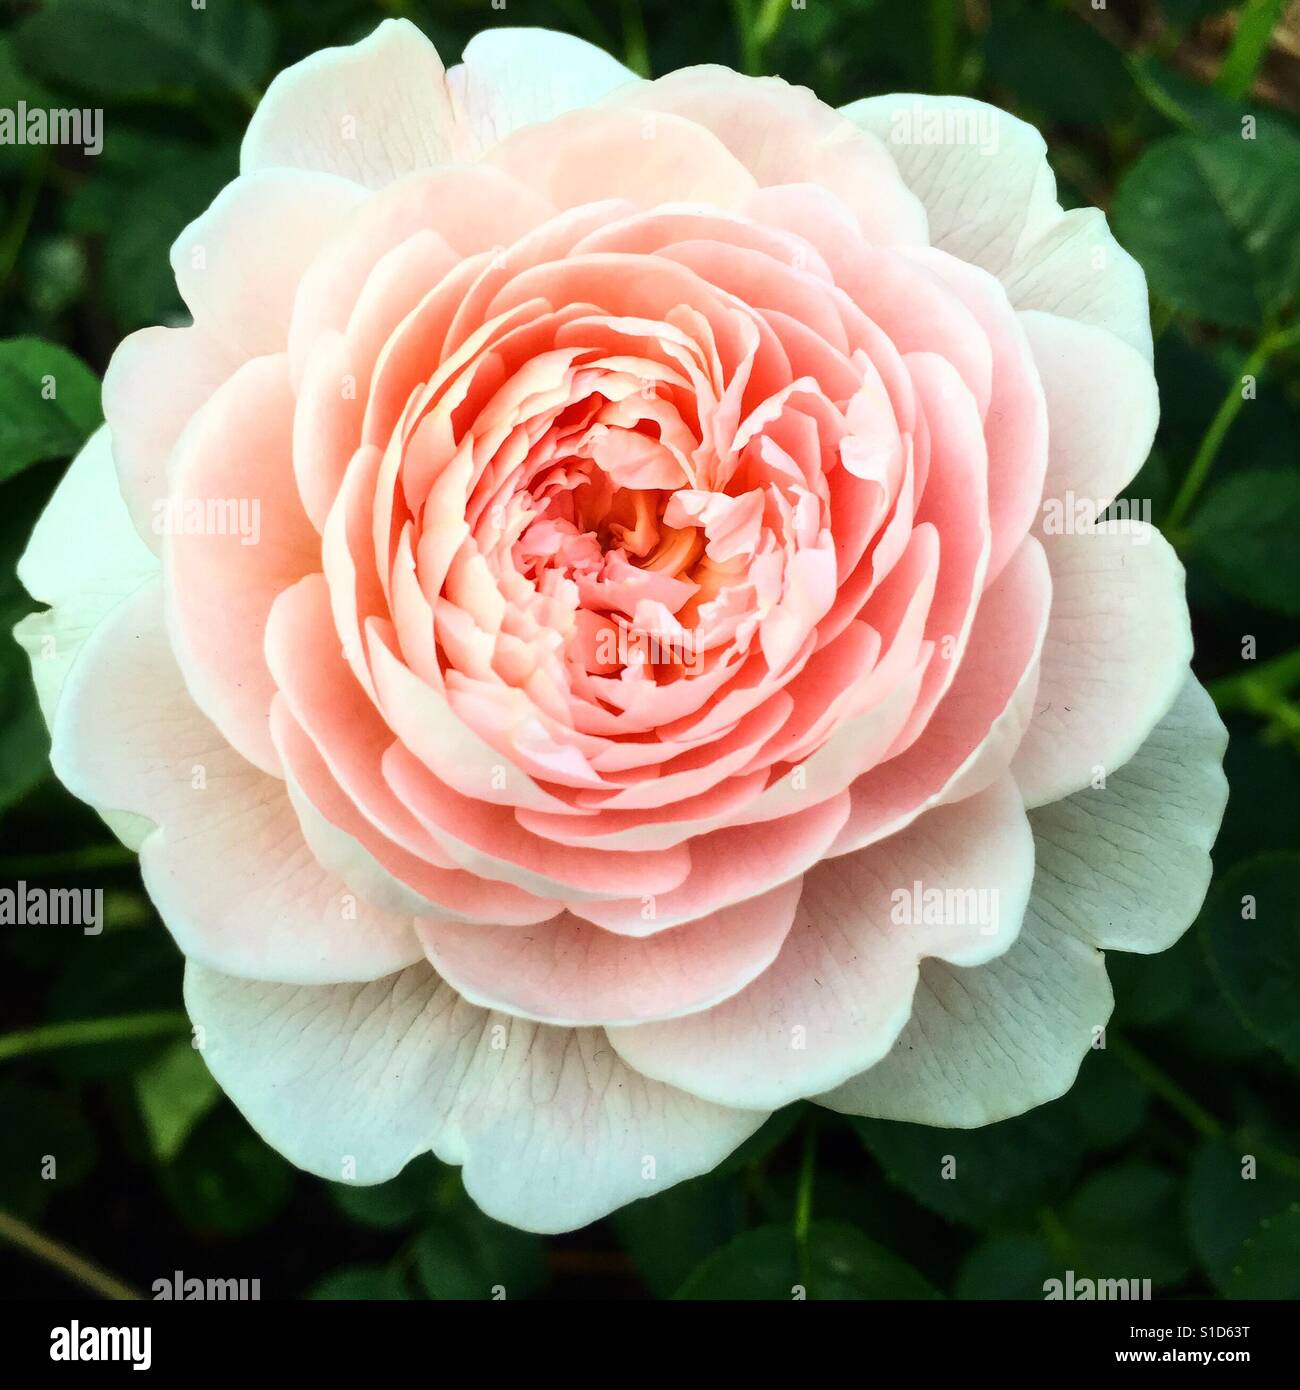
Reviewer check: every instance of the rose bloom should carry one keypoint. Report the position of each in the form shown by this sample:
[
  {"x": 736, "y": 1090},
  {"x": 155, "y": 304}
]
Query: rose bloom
[{"x": 590, "y": 628}]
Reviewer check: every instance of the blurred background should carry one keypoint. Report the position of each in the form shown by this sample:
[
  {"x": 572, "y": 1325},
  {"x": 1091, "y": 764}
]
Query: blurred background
[{"x": 1176, "y": 116}]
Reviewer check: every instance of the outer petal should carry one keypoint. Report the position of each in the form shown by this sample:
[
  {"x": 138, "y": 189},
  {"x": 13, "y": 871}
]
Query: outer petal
[
  {"x": 227, "y": 866},
  {"x": 991, "y": 199},
  {"x": 1123, "y": 868},
  {"x": 1116, "y": 654},
  {"x": 976, "y": 729},
  {"x": 154, "y": 383},
  {"x": 992, "y": 1042},
  {"x": 222, "y": 581},
  {"x": 1128, "y": 865},
  {"x": 371, "y": 112},
  {"x": 841, "y": 989},
  {"x": 1092, "y": 452},
  {"x": 239, "y": 264},
  {"x": 82, "y": 582},
  {"x": 517, "y": 77},
  {"x": 83, "y": 558},
  {"x": 784, "y": 135},
  {"x": 552, "y": 1128},
  {"x": 568, "y": 971}
]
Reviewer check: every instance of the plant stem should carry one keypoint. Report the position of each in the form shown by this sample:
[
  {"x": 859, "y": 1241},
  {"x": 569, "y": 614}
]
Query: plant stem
[
  {"x": 636, "y": 47},
  {"x": 15, "y": 234},
  {"x": 1242, "y": 691},
  {"x": 1259, "y": 356},
  {"x": 769, "y": 21},
  {"x": 944, "y": 25},
  {"x": 803, "y": 1204},
  {"x": 1057, "y": 1236},
  {"x": 1249, "y": 46},
  {"x": 742, "y": 13},
  {"x": 77, "y": 861},
  {"x": 66, "y": 1261},
  {"x": 1166, "y": 1088},
  {"x": 580, "y": 14},
  {"x": 81, "y": 1032}
]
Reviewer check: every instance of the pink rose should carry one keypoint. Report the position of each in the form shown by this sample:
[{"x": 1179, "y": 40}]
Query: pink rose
[{"x": 596, "y": 629}]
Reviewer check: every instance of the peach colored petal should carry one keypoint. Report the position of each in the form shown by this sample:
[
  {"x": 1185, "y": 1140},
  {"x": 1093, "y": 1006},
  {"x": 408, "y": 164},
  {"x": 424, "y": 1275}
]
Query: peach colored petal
[
  {"x": 249, "y": 540},
  {"x": 570, "y": 972}
]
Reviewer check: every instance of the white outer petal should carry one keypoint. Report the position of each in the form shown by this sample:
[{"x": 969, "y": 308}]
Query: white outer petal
[
  {"x": 1129, "y": 865},
  {"x": 1125, "y": 868},
  {"x": 1102, "y": 409},
  {"x": 841, "y": 987},
  {"x": 1118, "y": 643},
  {"x": 371, "y": 112},
  {"x": 552, "y": 1129},
  {"x": 991, "y": 199},
  {"x": 987, "y": 1043},
  {"x": 83, "y": 558},
  {"x": 511, "y": 78},
  {"x": 224, "y": 859}
]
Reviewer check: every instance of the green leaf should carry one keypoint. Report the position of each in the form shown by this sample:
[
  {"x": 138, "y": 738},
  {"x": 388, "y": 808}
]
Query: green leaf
[
  {"x": 54, "y": 273},
  {"x": 24, "y": 742},
  {"x": 1268, "y": 1264},
  {"x": 1260, "y": 782},
  {"x": 138, "y": 280},
  {"x": 226, "y": 1180},
  {"x": 995, "y": 1176},
  {"x": 1245, "y": 530},
  {"x": 397, "y": 1202},
  {"x": 1224, "y": 1207},
  {"x": 1186, "y": 12},
  {"x": 16, "y": 85},
  {"x": 1193, "y": 106},
  {"x": 842, "y": 1264},
  {"x": 362, "y": 1282},
  {"x": 1151, "y": 991},
  {"x": 149, "y": 48},
  {"x": 1062, "y": 68},
  {"x": 174, "y": 1093},
  {"x": 46, "y": 1147},
  {"x": 669, "y": 1234},
  {"x": 49, "y": 403},
  {"x": 1256, "y": 957},
  {"x": 1107, "y": 1103},
  {"x": 467, "y": 1255},
  {"x": 1124, "y": 1223},
  {"x": 1008, "y": 1267},
  {"x": 123, "y": 973},
  {"x": 1215, "y": 223}
]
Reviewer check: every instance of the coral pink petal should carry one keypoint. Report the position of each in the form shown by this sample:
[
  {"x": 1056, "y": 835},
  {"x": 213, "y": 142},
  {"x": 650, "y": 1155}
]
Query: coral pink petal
[
  {"x": 567, "y": 971},
  {"x": 236, "y": 536}
]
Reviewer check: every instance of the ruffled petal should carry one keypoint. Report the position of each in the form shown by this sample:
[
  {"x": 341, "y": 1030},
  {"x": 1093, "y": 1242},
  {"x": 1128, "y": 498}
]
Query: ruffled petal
[
  {"x": 352, "y": 1081},
  {"x": 226, "y": 865},
  {"x": 1116, "y": 652},
  {"x": 370, "y": 112},
  {"x": 841, "y": 989},
  {"x": 1128, "y": 864}
]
